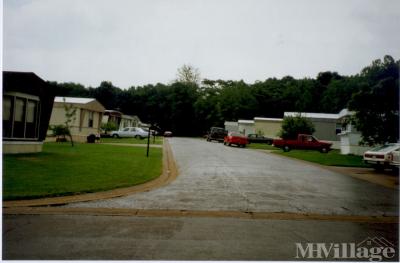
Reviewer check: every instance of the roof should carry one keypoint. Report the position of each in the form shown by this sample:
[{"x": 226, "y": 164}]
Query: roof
[
  {"x": 246, "y": 121},
  {"x": 74, "y": 100},
  {"x": 129, "y": 117},
  {"x": 312, "y": 115},
  {"x": 231, "y": 123},
  {"x": 267, "y": 119},
  {"x": 345, "y": 112},
  {"x": 82, "y": 103},
  {"x": 25, "y": 82}
]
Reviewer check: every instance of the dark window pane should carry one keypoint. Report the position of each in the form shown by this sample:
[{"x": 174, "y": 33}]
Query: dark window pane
[
  {"x": 19, "y": 118},
  {"x": 31, "y": 119},
  {"x": 7, "y": 116}
]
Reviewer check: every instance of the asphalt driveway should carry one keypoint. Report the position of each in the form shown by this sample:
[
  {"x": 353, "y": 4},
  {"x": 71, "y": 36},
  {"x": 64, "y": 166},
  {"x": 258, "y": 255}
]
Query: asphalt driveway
[{"x": 214, "y": 177}]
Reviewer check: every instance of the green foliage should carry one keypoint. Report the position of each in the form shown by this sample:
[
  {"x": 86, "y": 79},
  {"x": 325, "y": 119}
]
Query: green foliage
[
  {"x": 189, "y": 108},
  {"x": 109, "y": 126},
  {"x": 60, "y": 130},
  {"x": 332, "y": 158},
  {"x": 292, "y": 126},
  {"x": 377, "y": 102}
]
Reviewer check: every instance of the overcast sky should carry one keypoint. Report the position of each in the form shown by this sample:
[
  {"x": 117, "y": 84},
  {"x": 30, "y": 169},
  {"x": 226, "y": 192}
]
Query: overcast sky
[{"x": 141, "y": 42}]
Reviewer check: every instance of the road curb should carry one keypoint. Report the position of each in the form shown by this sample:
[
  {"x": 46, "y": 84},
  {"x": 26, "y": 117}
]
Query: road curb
[{"x": 169, "y": 174}]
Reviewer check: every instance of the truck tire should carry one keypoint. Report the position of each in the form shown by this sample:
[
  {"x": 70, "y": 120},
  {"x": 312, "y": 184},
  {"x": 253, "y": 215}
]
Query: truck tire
[
  {"x": 115, "y": 136},
  {"x": 286, "y": 148},
  {"x": 137, "y": 137},
  {"x": 378, "y": 167}
]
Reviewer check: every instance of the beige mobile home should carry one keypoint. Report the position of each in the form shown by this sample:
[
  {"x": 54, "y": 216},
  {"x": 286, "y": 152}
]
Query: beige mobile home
[
  {"x": 129, "y": 121},
  {"x": 269, "y": 127},
  {"x": 88, "y": 116}
]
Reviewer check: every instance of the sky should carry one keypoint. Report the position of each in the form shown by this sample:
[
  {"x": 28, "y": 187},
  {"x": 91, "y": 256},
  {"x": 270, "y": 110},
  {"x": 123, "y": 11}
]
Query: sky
[{"x": 138, "y": 42}]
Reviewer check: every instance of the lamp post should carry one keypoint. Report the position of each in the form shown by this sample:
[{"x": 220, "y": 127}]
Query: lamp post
[{"x": 148, "y": 142}]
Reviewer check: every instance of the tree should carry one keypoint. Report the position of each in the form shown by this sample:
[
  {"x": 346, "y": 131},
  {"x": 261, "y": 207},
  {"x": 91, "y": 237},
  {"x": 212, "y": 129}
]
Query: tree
[
  {"x": 188, "y": 74},
  {"x": 70, "y": 117},
  {"x": 293, "y": 126},
  {"x": 377, "y": 102},
  {"x": 107, "y": 94}
]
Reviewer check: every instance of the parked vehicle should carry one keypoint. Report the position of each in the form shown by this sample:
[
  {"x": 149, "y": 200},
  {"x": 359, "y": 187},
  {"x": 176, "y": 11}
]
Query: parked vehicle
[
  {"x": 216, "y": 134},
  {"x": 386, "y": 156},
  {"x": 256, "y": 138},
  {"x": 135, "y": 132},
  {"x": 304, "y": 141},
  {"x": 235, "y": 138},
  {"x": 167, "y": 134}
]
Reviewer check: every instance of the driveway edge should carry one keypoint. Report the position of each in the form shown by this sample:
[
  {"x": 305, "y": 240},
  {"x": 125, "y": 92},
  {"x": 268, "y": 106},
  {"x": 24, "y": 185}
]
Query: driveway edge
[
  {"x": 169, "y": 174},
  {"x": 197, "y": 213},
  {"x": 355, "y": 172}
]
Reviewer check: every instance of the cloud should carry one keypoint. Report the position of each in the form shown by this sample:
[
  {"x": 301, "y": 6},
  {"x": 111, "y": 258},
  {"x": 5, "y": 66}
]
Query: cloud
[{"x": 140, "y": 42}]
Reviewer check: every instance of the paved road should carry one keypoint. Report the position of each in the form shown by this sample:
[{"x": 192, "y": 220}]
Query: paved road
[
  {"x": 169, "y": 238},
  {"x": 212, "y": 177},
  {"x": 216, "y": 177}
]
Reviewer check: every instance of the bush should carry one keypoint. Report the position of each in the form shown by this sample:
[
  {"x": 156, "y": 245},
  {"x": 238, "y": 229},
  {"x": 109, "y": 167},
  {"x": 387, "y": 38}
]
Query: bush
[
  {"x": 60, "y": 131},
  {"x": 292, "y": 126},
  {"x": 109, "y": 126}
]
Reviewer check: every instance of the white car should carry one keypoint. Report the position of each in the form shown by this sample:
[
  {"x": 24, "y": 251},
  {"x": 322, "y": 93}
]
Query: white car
[
  {"x": 384, "y": 156},
  {"x": 126, "y": 132}
]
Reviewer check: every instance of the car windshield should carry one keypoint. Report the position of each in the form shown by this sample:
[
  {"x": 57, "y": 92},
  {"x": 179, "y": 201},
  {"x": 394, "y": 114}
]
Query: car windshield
[
  {"x": 217, "y": 130},
  {"x": 235, "y": 134},
  {"x": 386, "y": 148}
]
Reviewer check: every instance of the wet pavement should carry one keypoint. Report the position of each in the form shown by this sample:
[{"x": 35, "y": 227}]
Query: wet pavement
[
  {"x": 168, "y": 238},
  {"x": 214, "y": 177}
]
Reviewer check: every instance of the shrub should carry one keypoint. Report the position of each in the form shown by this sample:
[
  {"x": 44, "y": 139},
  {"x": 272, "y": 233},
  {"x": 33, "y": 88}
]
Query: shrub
[
  {"x": 60, "y": 131},
  {"x": 292, "y": 126},
  {"x": 109, "y": 126}
]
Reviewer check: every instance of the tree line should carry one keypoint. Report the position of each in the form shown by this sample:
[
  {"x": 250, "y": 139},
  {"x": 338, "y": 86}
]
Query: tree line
[{"x": 189, "y": 107}]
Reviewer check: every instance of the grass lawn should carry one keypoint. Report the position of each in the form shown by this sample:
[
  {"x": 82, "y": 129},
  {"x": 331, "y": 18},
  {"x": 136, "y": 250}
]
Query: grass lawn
[
  {"x": 159, "y": 140},
  {"x": 333, "y": 158},
  {"x": 63, "y": 170},
  {"x": 261, "y": 146}
]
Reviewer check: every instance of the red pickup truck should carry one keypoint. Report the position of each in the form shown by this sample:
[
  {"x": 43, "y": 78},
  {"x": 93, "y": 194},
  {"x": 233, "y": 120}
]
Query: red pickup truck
[{"x": 304, "y": 141}]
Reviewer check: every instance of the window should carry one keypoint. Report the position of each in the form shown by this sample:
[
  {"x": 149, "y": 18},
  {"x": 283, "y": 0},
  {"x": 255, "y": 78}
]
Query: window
[
  {"x": 20, "y": 116},
  {"x": 7, "y": 116},
  {"x": 91, "y": 114},
  {"x": 31, "y": 114}
]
